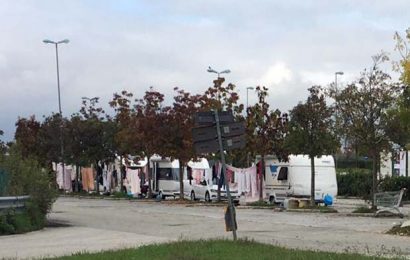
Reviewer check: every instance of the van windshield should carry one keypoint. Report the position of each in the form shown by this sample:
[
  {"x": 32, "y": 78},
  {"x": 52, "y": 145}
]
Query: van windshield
[{"x": 168, "y": 174}]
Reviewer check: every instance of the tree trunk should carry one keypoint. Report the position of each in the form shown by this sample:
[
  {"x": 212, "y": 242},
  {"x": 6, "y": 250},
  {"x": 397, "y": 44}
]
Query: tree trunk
[
  {"x": 181, "y": 180},
  {"x": 312, "y": 181},
  {"x": 262, "y": 173},
  {"x": 374, "y": 183}
]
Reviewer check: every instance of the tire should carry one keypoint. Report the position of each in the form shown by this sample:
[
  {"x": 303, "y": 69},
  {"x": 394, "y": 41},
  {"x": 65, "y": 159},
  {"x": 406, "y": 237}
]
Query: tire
[
  {"x": 161, "y": 196},
  {"x": 193, "y": 196},
  {"x": 207, "y": 197}
]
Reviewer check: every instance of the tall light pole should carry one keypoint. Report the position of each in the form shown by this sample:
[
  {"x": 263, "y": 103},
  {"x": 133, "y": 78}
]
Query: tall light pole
[
  {"x": 337, "y": 105},
  {"x": 59, "y": 104},
  {"x": 210, "y": 70},
  {"x": 247, "y": 93},
  {"x": 337, "y": 73}
]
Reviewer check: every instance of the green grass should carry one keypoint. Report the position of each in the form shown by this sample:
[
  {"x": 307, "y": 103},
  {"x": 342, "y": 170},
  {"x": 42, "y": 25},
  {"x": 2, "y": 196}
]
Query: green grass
[{"x": 214, "y": 249}]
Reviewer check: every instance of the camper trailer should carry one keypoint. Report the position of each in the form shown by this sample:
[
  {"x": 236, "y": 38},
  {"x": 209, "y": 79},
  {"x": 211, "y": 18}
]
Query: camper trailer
[
  {"x": 165, "y": 181},
  {"x": 293, "y": 178}
]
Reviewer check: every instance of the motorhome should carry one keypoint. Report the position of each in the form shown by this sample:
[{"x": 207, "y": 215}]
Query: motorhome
[
  {"x": 293, "y": 178},
  {"x": 165, "y": 180}
]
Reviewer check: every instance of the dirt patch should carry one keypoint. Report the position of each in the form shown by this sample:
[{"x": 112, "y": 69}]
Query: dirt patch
[{"x": 400, "y": 231}]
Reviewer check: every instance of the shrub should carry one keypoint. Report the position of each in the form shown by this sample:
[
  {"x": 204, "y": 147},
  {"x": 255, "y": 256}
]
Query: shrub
[
  {"x": 355, "y": 182},
  {"x": 395, "y": 184},
  {"x": 26, "y": 177}
]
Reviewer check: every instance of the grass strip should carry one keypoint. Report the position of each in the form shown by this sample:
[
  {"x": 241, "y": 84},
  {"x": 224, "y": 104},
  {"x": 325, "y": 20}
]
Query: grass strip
[{"x": 214, "y": 249}]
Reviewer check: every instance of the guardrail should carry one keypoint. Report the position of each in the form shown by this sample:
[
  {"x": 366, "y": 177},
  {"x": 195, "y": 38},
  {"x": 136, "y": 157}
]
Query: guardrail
[{"x": 13, "y": 202}]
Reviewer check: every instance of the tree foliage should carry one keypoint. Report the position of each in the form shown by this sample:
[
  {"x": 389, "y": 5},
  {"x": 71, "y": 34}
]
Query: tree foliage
[
  {"x": 311, "y": 131},
  {"x": 363, "y": 110}
]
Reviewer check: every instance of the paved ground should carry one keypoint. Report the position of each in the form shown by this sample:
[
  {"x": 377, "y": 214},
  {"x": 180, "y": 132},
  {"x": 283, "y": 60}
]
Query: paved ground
[{"x": 93, "y": 225}]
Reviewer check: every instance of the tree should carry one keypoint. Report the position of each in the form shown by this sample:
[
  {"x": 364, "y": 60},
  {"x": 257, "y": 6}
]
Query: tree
[
  {"x": 265, "y": 131},
  {"x": 3, "y": 147},
  {"x": 363, "y": 110},
  {"x": 149, "y": 113},
  {"x": 177, "y": 123},
  {"x": 311, "y": 131},
  {"x": 26, "y": 135},
  {"x": 91, "y": 135},
  {"x": 401, "y": 113}
]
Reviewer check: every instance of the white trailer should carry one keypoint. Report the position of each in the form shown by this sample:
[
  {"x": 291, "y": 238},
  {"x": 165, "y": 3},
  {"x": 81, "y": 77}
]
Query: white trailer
[
  {"x": 165, "y": 181},
  {"x": 293, "y": 178}
]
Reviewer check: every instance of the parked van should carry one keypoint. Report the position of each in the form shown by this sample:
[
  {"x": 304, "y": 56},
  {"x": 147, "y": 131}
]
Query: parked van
[
  {"x": 293, "y": 178},
  {"x": 165, "y": 181}
]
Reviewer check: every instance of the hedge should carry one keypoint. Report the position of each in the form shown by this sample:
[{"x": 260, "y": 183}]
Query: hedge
[
  {"x": 25, "y": 177},
  {"x": 354, "y": 182},
  {"x": 395, "y": 184}
]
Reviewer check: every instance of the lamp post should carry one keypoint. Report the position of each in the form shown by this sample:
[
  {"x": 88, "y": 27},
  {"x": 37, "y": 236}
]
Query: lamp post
[
  {"x": 247, "y": 93},
  {"x": 210, "y": 70},
  {"x": 59, "y": 104},
  {"x": 337, "y": 105},
  {"x": 337, "y": 73}
]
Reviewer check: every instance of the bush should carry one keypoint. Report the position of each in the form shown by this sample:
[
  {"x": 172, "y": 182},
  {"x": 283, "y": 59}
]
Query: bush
[
  {"x": 26, "y": 177},
  {"x": 355, "y": 182},
  {"x": 395, "y": 184}
]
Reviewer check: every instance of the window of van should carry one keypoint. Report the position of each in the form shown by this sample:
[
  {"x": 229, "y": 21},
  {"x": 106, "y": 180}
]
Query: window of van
[
  {"x": 283, "y": 174},
  {"x": 168, "y": 174}
]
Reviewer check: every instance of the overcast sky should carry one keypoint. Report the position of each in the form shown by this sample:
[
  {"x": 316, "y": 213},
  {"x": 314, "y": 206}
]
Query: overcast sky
[{"x": 287, "y": 46}]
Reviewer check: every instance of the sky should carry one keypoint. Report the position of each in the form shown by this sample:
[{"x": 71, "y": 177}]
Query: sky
[{"x": 287, "y": 46}]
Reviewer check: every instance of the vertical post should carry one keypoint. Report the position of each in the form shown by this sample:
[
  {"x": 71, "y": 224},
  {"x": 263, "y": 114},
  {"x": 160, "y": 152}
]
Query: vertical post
[
  {"x": 221, "y": 150},
  {"x": 61, "y": 118}
]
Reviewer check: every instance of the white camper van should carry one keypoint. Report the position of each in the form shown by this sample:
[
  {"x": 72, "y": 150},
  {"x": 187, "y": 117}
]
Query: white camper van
[
  {"x": 165, "y": 176},
  {"x": 292, "y": 178}
]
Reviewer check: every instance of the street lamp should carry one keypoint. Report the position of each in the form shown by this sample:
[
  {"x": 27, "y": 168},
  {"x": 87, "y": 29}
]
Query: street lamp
[
  {"x": 337, "y": 105},
  {"x": 247, "y": 90},
  {"x": 337, "y": 73},
  {"x": 210, "y": 70},
  {"x": 59, "y": 103},
  {"x": 92, "y": 100}
]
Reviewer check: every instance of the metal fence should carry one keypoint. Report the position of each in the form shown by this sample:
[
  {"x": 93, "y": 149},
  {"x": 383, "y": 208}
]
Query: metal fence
[{"x": 16, "y": 203}]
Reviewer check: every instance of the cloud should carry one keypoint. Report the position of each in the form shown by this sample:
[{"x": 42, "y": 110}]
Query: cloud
[
  {"x": 278, "y": 73},
  {"x": 114, "y": 45}
]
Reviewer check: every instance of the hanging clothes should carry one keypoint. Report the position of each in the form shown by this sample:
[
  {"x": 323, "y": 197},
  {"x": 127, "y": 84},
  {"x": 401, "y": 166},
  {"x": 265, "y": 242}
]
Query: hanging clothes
[
  {"x": 197, "y": 175},
  {"x": 87, "y": 177},
  {"x": 133, "y": 179},
  {"x": 68, "y": 170}
]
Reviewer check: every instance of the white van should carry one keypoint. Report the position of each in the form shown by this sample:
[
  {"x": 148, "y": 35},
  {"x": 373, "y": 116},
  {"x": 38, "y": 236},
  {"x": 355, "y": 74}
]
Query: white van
[
  {"x": 165, "y": 181},
  {"x": 293, "y": 178}
]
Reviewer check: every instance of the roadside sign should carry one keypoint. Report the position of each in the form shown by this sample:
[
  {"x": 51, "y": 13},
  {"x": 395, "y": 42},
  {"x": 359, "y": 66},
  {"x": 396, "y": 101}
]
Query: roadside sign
[
  {"x": 208, "y": 146},
  {"x": 235, "y": 142},
  {"x": 232, "y": 129},
  {"x": 208, "y": 118},
  {"x": 204, "y": 133}
]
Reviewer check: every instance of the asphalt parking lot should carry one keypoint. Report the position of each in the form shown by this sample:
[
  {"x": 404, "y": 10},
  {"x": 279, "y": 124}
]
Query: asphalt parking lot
[{"x": 99, "y": 224}]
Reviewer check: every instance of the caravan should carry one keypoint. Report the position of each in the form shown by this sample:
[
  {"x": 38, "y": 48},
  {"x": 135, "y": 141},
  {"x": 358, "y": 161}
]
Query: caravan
[
  {"x": 293, "y": 178},
  {"x": 165, "y": 181}
]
